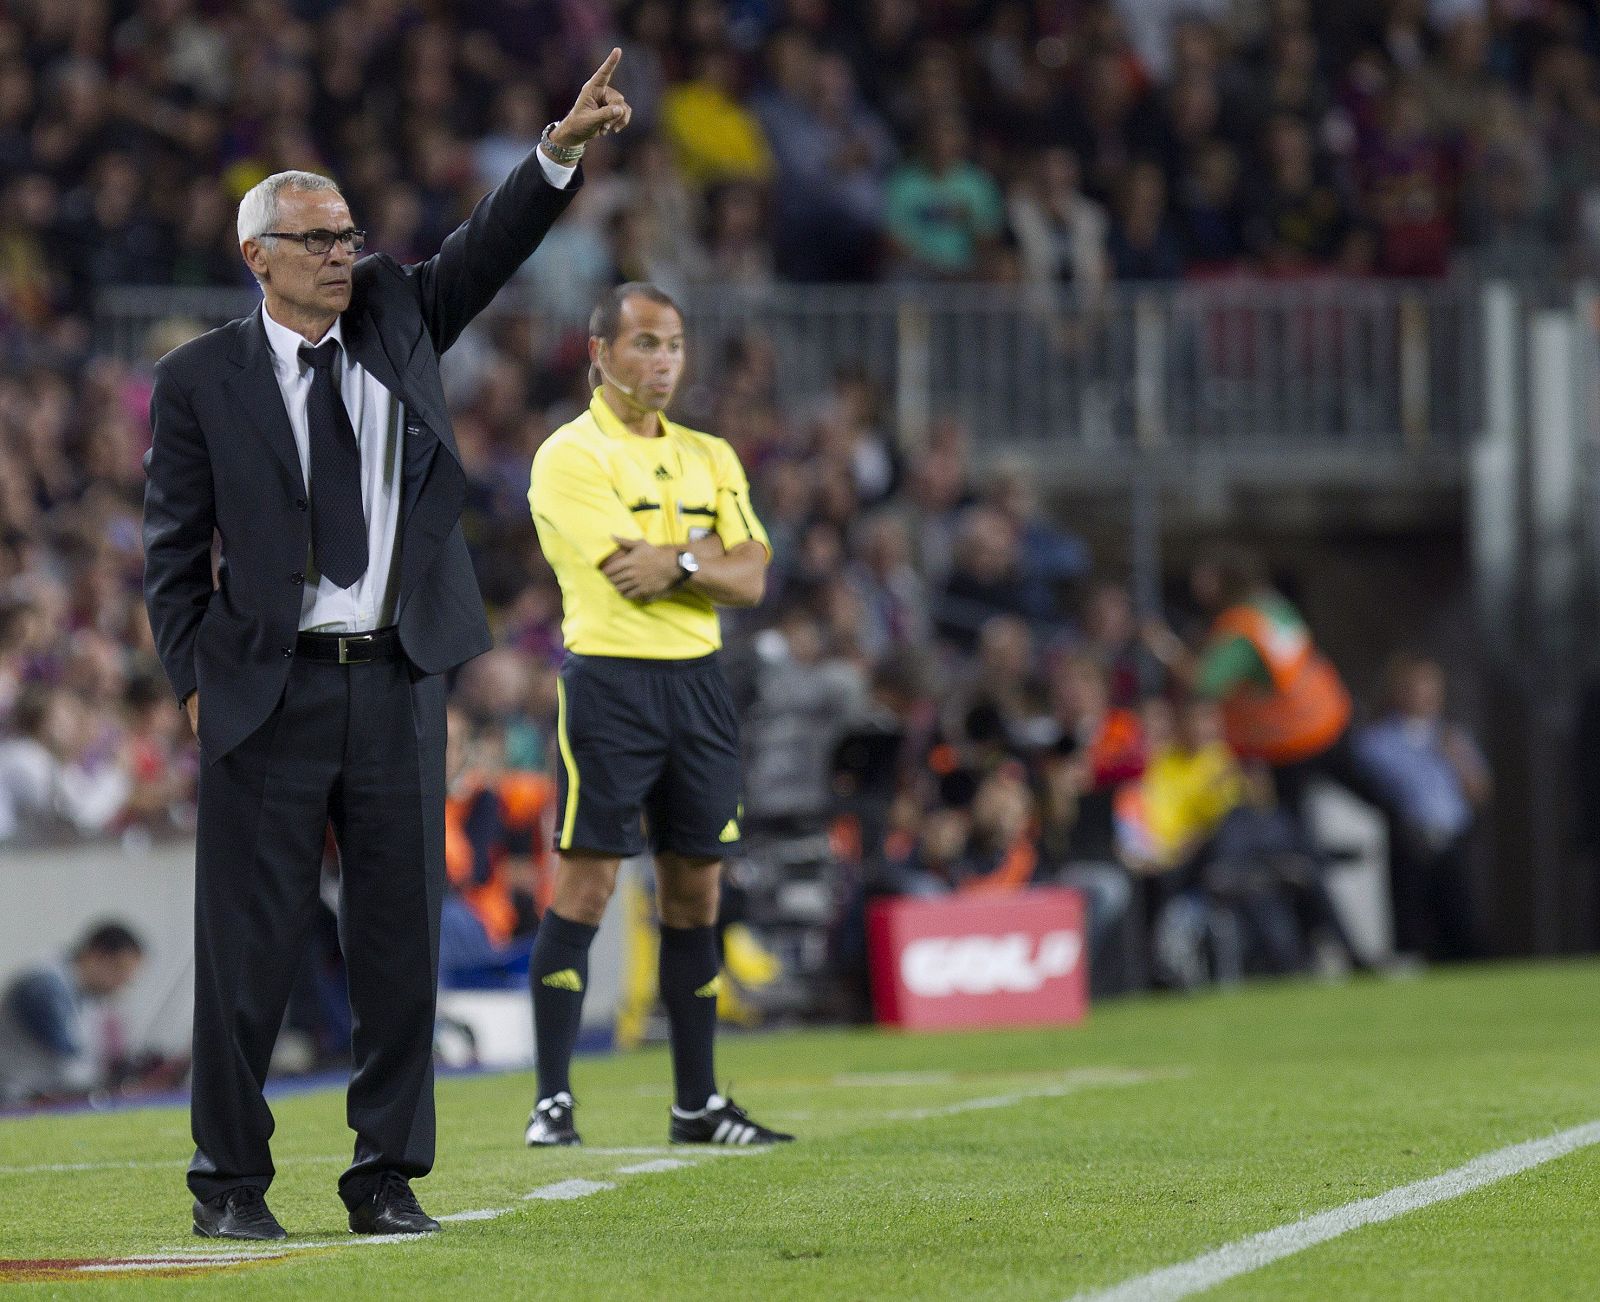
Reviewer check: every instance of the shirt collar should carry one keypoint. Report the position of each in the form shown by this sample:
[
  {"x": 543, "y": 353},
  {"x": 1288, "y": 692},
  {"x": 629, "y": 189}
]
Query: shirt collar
[
  {"x": 285, "y": 343},
  {"x": 611, "y": 424}
]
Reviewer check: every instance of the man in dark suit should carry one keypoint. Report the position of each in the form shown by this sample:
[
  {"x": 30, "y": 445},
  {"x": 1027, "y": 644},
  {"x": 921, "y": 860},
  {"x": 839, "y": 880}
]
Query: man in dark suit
[{"x": 313, "y": 436}]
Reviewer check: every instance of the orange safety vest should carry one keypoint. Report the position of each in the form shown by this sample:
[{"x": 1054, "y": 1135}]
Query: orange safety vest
[
  {"x": 524, "y": 800},
  {"x": 1012, "y": 873},
  {"x": 1306, "y": 709}
]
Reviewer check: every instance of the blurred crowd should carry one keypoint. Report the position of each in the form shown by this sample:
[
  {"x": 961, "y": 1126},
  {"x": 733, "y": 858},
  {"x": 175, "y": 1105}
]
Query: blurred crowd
[
  {"x": 941, "y": 678},
  {"x": 1051, "y": 142}
]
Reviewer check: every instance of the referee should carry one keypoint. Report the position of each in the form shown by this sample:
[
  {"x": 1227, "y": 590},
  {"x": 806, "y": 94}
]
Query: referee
[{"x": 648, "y": 527}]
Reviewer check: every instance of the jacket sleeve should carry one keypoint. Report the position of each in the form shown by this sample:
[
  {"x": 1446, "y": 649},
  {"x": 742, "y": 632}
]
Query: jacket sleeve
[
  {"x": 484, "y": 252},
  {"x": 179, "y": 518}
]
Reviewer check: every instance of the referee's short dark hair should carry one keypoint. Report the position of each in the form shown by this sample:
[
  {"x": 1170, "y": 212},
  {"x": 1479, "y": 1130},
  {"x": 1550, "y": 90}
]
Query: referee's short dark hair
[
  {"x": 111, "y": 939},
  {"x": 606, "y": 319}
]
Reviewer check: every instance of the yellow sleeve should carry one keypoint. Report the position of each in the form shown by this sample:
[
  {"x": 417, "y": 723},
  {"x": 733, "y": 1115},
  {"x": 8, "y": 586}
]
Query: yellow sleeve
[
  {"x": 571, "y": 494},
  {"x": 736, "y": 517}
]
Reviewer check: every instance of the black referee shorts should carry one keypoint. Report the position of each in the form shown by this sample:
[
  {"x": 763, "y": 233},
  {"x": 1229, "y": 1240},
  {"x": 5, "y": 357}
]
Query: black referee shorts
[{"x": 647, "y": 744}]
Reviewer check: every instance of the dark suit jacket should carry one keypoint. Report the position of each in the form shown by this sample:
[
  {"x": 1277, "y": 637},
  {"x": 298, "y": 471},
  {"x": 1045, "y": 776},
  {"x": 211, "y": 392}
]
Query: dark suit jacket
[{"x": 224, "y": 458}]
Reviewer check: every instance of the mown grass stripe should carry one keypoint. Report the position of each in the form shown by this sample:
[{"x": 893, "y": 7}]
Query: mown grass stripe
[{"x": 1251, "y": 1254}]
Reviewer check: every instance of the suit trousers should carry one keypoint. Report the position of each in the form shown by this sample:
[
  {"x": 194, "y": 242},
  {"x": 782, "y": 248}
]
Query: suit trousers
[{"x": 361, "y": 747}]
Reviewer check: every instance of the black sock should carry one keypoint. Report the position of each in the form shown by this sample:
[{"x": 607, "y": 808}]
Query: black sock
[
  {"x": 558, "y": 974},
  {"x": 690, "y": 960}
]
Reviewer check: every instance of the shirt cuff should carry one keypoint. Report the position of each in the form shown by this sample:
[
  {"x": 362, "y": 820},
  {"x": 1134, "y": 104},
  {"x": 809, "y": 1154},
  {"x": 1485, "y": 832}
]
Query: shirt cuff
[{"x": 556, "y": 173}]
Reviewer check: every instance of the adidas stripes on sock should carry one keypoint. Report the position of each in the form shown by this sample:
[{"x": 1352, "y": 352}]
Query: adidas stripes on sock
[
  {"x": 690, "y": 960},
  {"x": 558, "y": 974}
]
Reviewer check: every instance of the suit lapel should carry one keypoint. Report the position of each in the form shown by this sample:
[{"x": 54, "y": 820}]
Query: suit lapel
[
  {"x": 433, "y": 488},
  {"x": 255, "y": 387},
  {"x": 365, "y": 344},
  {"x": 389, "y": 350}
]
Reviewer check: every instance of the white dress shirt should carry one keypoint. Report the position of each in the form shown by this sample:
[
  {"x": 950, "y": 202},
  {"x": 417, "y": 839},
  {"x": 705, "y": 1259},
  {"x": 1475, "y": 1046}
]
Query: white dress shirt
[{"x": 378, "y": 418}]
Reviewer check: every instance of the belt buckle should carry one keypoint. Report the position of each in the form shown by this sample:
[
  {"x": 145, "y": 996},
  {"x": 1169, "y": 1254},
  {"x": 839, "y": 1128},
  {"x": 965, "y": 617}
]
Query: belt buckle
[{"x": 345, "y": 643}]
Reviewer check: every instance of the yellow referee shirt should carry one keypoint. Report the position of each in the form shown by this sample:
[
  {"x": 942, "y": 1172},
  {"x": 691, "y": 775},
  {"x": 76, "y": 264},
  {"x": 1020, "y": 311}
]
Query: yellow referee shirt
[{"x": 593, "y": 479}]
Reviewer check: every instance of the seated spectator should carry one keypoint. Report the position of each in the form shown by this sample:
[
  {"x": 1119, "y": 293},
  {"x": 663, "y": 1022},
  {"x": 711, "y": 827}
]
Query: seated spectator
[
  {"x": 936, "y": 858},
  {"x": 1143, "y": 244},
  {"x": 1110, "y": 741},
  {"x": 832, "y": 153},
  {"x": 1112, "y": 640},
  {"x": 1007, "y": 706},
  {"x": 939, "y": 489},
  {"x": 802, "y": 700},
  {"x": 1209, "y": 212},
  {"x": 1192, "y": 782},
  {"x": 1051, "y": 558},
  {"x": 1002, "y": 853},
  {"x": 850, "y": 434},
  {"x": 1075, "y": 850},
  {"x": 1250, "y": 898},
  {"x": 943, "y": 210},
  {"x": 738, "y": 250},
  {"x": 1061, "y": 231},
  {"x": 1437, "y": 780},
  {"x": 158, "y": 757},
  {"x": 1408, "y": 177},
  {"x": 46, "y": 795},
  {"x": 497, "y": 833},
  {"x": 48, "y": 1045},
  {"x": 977, "y": 838},
  {"x": 893, "y": 595},
  {"x": 984, "y": 580},
  {"x": 714, "y": 137},
  {"x": 1297, "y": 219}
]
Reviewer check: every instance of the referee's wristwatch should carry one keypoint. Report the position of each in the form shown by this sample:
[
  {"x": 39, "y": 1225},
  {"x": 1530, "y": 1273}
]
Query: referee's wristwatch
[{"x": 688, "y": 567}]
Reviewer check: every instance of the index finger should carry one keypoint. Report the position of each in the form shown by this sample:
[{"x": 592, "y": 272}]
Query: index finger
[{"x": 602, "y": 76}]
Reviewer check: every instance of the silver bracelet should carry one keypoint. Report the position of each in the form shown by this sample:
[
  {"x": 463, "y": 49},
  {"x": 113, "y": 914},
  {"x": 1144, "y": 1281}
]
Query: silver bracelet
[{"x": 566, "y": 155}]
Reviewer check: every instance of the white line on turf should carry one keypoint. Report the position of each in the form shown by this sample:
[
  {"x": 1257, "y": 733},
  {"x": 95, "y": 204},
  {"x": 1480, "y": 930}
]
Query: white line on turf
[
  {"x": 193, "y": 1257},
  {"x": 1071, "y": 1083},
  {"x": 562, "y": 1190},
  {"x": 1246, "y": 1255},
  {"x": 309, "y": 1159},
  {"x": 650, "y": 1168},
  {"x": 870, "y": 1080}
]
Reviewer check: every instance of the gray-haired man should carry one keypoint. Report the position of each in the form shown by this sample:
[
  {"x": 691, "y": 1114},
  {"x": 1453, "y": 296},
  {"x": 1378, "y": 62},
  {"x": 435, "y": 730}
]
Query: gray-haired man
[{"x": 313, "y": 436}]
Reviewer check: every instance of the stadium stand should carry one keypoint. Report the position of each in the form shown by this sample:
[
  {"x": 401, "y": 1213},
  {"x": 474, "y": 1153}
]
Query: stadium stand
[{"x": 942, "y": 684}]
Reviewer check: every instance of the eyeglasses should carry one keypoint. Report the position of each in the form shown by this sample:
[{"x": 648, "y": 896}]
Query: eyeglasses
[{"x": 320, "y": 241}]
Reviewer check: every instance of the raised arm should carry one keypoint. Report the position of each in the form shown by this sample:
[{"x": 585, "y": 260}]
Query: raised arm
[{"x": 509, "y": 223}]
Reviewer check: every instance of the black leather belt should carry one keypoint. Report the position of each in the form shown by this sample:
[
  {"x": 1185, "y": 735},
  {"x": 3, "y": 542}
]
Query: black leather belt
[{"x": 350, "y": 648}]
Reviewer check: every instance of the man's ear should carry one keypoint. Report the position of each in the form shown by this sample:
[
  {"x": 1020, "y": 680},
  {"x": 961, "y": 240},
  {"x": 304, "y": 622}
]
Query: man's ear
[{"x": 255, "y": 257}]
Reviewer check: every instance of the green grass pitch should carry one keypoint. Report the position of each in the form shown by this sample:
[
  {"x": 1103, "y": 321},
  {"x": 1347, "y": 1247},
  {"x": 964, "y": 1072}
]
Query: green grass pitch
[{"x": 1026, "y": 1164}]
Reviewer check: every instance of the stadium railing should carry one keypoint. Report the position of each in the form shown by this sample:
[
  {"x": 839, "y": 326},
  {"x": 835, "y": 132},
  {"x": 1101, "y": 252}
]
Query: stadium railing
[{"x": 1328, "y": 380}]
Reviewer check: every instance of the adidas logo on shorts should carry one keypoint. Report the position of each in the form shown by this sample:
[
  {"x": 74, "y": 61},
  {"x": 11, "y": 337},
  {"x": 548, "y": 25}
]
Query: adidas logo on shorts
[{"x": 566, "y": 979}]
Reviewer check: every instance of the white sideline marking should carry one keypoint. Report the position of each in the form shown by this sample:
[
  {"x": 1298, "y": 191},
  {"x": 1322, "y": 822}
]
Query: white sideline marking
[
  {"x": 194, "y": 1257},
  {"x": 650, "y": 1168},
  {"x": 565, "y": 1189},
  {"x": 1246, "y": 1255},
  {"x": 1071, "y": 1083},
  {"x": 877, "y": 1080}
]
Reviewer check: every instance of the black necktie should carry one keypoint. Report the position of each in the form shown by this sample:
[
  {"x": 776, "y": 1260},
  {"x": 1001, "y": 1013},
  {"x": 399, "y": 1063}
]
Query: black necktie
[{"x": 338, "y": 524}]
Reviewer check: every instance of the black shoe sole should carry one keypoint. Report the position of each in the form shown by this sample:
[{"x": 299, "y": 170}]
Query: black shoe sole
[
  {"x": 379, "y": 1234},
  {"x": 241, "y": 1238}
]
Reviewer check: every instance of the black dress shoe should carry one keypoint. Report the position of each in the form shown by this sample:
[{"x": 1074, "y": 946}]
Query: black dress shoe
[
  {"x": 391, "y": 1208},
  {"x": 238, "y": 1214}
]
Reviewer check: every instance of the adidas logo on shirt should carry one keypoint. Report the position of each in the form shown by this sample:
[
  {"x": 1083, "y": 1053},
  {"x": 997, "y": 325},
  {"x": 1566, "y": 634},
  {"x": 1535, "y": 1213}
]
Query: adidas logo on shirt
[{"x": 566, "y": 979}]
